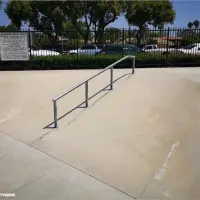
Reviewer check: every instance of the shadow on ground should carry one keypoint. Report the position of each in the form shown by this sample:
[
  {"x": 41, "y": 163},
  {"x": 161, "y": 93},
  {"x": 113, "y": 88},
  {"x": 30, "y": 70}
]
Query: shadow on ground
[{"x": 82, "y": 105}]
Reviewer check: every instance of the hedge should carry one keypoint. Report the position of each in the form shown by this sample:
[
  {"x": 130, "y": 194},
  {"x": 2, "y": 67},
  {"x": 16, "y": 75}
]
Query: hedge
[
  {"x": 100, "y": 61},
  {"x": 97, "y": 61}
]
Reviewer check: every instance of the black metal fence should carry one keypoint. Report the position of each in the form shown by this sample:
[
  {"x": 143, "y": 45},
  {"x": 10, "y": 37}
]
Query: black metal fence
[
  {"x": 178, "y": 46},
  {"x": 62, "y": 42}
]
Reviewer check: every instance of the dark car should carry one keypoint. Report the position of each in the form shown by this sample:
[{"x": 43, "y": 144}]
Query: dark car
[{"x": 119, "y": 49}]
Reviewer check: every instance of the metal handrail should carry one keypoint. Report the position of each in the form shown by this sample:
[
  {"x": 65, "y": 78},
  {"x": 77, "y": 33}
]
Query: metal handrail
[{"x": 86, "y": 86}]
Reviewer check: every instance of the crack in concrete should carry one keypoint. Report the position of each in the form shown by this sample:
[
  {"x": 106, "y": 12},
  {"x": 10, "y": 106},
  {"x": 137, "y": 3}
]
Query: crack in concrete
[
  {"x": 41, "y": 137},
  {"x": 97, "y": 179},
  {"x": 2, "y": 157},
  {"x": 144, "y": 190},
  {"x": 75, "y": 118},
  {"x": 10, "y": 116},
  {"x": 159, "y": 174},
  {"x": 165, "y": 192},
  {"x": 52, "y": 170},
  {"x": 82, "y": 112}
]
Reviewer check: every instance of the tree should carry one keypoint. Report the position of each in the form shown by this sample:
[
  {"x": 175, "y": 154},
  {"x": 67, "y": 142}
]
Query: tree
[
  {"x": 196, "y": 24},
  {"x": 104, "y": 13},
  {"x": 144, "y": 13},
  {"x": 74, "y": 37},
  {"x": 153, "y": 33},
  {"x": 163, "y": 13},
  {"x": 188, "y": 36},
  {"x": 96, "y": 14},
  {"x": 45, "y": 16},
  {"x": 0, "y": 3},
  {"x": 190, "y": 25},
  {"x": 70, "y": 32},
  {"x": 112, "y": 34},
  {"x": 10, "y": 27},
  {"x": 49, "y": 16},
  {"x": 75, "y": 11}
]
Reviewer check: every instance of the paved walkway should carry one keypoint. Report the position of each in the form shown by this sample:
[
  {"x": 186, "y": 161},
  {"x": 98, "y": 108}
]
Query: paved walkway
[{"x": 139, "y": 141}]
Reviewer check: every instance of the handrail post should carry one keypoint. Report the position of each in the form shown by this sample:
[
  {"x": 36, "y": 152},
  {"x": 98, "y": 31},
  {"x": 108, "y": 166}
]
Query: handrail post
[
  {"x": 133, "y": 63},
  {"x": 111, "y": 78},
  {"x": 86, "y": 94},
  {"x": 55, "y": 114}
]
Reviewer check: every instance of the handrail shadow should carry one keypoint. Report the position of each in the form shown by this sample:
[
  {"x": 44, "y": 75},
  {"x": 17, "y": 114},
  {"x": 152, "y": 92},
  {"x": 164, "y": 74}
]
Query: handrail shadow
[{"x": 51, "y": 125}]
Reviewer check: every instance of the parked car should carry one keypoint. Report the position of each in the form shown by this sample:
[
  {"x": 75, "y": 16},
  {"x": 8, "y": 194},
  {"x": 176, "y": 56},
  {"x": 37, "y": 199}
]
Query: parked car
[
  {"x": 60, "y": 48},
  {"x": 88, "y": 49},
  {"x": 119, "y": 49},
  {"x": 153, "y": 48},
  {"x": 42, "y": 52},
  {"x": 191, "y": 49}
]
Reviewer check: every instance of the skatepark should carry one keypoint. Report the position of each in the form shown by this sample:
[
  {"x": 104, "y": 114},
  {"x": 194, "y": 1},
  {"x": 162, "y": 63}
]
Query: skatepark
[{"x": 137, "y": 141}]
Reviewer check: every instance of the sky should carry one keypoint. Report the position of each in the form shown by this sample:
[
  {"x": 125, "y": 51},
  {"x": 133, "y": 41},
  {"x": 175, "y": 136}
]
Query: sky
[{"x": 186, "y": 11}]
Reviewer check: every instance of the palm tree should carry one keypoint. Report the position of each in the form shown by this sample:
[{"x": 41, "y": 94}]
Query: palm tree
[
  {"x": 190, "y": 25},
  {"x": 196, "y": 24}
]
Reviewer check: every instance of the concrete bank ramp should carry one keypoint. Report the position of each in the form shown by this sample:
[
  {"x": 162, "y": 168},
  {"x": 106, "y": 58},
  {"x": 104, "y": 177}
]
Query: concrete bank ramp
[
  {"x": 142, "y": 138},
  {"x": 26, "y": 99}
]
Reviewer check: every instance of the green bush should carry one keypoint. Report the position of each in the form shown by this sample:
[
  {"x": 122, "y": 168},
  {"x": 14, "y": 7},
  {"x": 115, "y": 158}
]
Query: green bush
[
  {"x": 101, "y": 61},
  {"x": 97, "y": 61},
  {"x": 187, "y": 40}
]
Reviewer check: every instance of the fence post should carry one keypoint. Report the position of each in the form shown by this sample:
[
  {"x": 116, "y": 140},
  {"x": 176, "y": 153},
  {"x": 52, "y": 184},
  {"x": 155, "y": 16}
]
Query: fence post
[
  {"x": 29, "y": 42},
  {"x": 111, "y": 78},
  {"x": 55, "y": 114},
  {"x": 62, "y": 41},
  {"x": 77, "y": 46},
  {"x": 86, "y": 94},
  {"x": 133, "y": 65},
  {"x": 167, "y": 43},
  {"x": 123, "y": 40}
]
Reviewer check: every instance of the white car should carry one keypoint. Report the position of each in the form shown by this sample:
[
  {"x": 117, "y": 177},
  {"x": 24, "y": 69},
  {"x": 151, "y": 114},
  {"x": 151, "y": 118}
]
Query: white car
[
  {"x": 191, "y": 49},
  {"x": 154, "y": 48},
  {"x": 88, "y": 49},
  {"x": 43, "y": 52}
]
